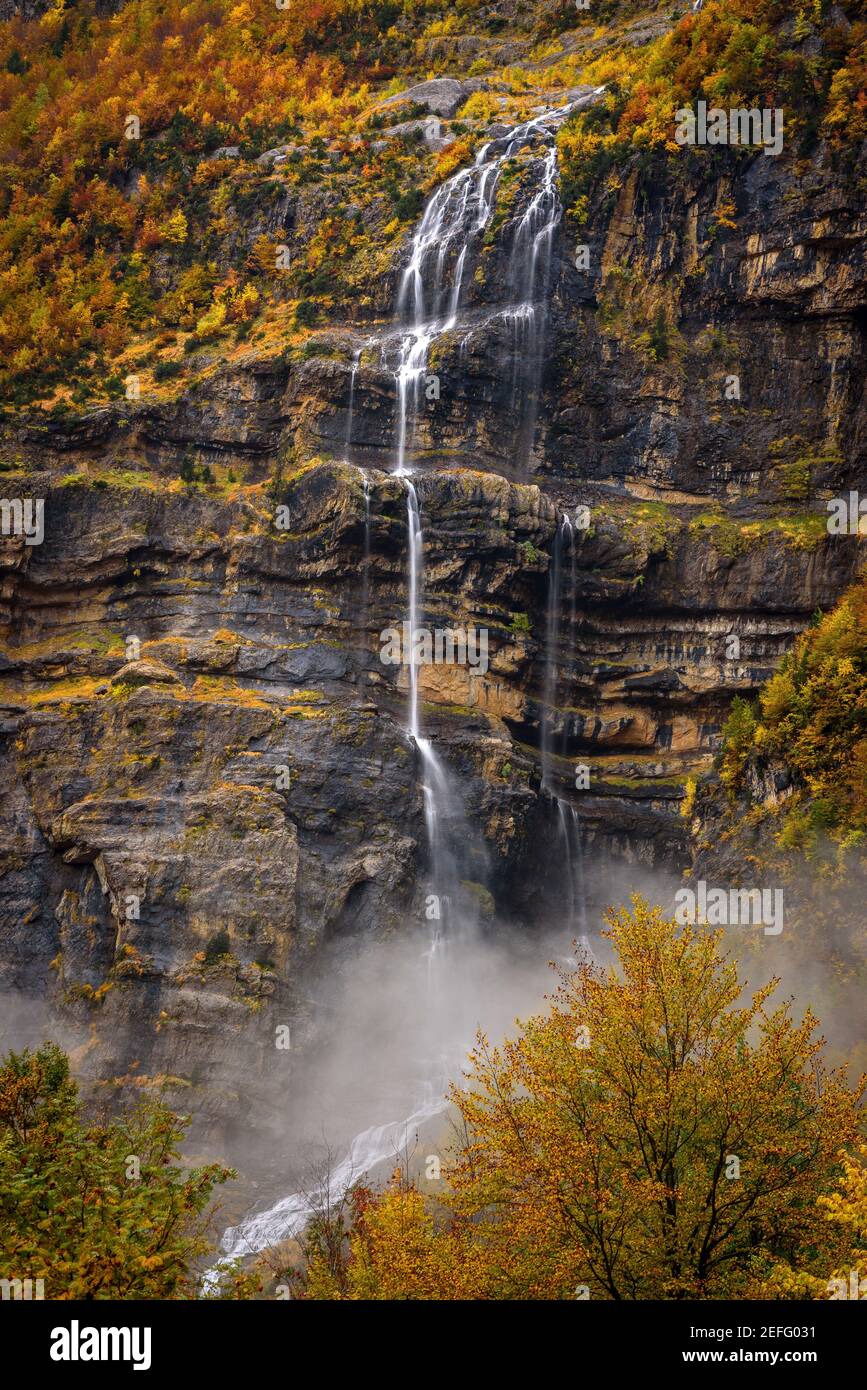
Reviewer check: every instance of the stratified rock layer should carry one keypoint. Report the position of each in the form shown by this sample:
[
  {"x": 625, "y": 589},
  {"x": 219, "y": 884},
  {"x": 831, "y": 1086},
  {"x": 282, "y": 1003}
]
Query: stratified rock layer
[{"x": 209, "y": 785}]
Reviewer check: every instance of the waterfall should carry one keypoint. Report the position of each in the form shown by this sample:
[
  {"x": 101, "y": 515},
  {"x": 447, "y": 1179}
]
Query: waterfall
[
  {"x": 445, "y": 822},
  {"x": 433, "y": 285},
  {"x": 568, "y": 821},
  {"x": 356, "y": 361},
  {"x": 364, "y": 603},
  {"x": 414, "y": 541},
  {"x": 365, "y": 589},
  {"x": 429, "y": 301},
  {"x": 573, "y": 854},
  {"x": 563, "y": 534},
  {"x": 441, "y": 804},
  {"x": 530, "y": 272},
  {"x": 285, "y": 1218},
  {"x": 430, "y": 297}
]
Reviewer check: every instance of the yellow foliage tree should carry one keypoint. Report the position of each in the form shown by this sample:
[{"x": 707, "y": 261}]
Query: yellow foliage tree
[
  {"x": 651, "y": 1137},
  {"x": 847, "y": 1209}
]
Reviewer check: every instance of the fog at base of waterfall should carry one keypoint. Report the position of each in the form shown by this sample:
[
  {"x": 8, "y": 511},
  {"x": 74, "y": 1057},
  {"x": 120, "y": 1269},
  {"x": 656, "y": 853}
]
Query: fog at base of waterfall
[{"x": 373, "y": 1094}]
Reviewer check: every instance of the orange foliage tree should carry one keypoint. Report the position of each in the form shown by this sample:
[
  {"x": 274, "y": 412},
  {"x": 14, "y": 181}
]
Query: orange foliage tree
[{"x": 651, "y": 1137}]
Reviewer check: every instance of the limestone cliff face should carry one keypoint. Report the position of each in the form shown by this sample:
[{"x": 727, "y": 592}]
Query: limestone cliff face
[{"x": 195, "y": 820}]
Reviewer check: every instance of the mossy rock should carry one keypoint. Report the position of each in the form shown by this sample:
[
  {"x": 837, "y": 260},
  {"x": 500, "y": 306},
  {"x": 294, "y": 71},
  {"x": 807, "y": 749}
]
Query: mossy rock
[{"x": 147, "y": 671}]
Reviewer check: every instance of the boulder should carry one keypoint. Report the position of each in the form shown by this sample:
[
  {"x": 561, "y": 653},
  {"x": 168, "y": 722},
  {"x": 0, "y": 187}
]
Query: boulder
[
  {"x": 274, "y": 156},
  {"x": 442, "y": 95},
  {"x": 146, "y": 671},
  {"x": 430, "y": 128}
]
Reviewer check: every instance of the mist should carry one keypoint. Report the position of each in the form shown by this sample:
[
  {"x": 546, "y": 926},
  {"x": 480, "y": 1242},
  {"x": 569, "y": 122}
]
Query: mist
[{"x": 384, "y": 1026}]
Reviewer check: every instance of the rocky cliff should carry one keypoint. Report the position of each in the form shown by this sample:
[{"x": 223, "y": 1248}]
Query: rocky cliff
[{"x": 209, "y": 787}]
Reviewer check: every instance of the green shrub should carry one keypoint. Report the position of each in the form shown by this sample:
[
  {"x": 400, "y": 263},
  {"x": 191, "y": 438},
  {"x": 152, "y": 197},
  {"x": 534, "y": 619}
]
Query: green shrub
[
  {"x": 218, "y": 945},
  {"x": 409, "y": 205},
  {"x": 74, "y": 1213},
  {"x": 164, "y": 371},
  {"x": 738, "y": 734},
  {"x": 306, "y": 313}
]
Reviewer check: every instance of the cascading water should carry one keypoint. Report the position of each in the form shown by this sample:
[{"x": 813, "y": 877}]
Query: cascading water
[
  {"x": 434, "y": 284},
  {"x": 356, "y": 362},
  {"x": 568, "y": 820},
  {"x": 573, "y": 849},
  {"x": 439, "y": 800},
  {"x": 530, "y": 272},
  {"x": 430, "y": 300},
  {"x": 365, "y": 588},
  {"x": 364, "y": 602},
  {"x": 285, "y": 1218},
  {"x": 564, "y": 536}
]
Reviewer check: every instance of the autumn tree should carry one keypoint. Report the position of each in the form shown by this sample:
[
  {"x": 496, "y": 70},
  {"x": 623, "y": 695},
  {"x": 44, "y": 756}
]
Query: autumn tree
[
  {"x": 390, "y": 1246},
  {"x": 846, "y": 1208},
  {"x": 96, "y": 1210},
  {"x": 652, "y": 1136}
]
